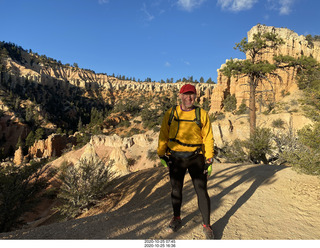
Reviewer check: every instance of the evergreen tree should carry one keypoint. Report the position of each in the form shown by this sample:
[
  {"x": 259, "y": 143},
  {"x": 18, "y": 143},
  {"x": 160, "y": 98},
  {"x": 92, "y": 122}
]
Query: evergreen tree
[
  {"x": 254, "y": 68},
  {"x": 29, "y": 115},
  {"x": 230, "y": 103},
  {"x": 80, "y": 124},
  {"x": 20, "y": 143},
  {"x": 209, "y": 81},
  {"x": 39, "y": 134},
  {"x": 20, "y": 188},
  {"x": 30, "y": 139},
  {"x": 83, "y": 185}
]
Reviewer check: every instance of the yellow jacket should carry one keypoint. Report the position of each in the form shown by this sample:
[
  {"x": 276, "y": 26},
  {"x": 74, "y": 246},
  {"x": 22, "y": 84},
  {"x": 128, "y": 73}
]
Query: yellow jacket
[{"x": 188, "y": 133}]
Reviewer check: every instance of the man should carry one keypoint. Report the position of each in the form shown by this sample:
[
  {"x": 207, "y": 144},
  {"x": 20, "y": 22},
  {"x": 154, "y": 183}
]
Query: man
[{"x": 186, "y": 143}]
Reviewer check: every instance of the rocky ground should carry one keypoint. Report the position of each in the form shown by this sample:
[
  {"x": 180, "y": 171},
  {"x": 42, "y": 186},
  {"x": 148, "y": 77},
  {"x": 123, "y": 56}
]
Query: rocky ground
[{"x": 248, "y": 202}]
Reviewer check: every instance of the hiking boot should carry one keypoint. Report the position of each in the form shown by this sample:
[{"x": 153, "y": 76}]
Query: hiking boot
[
  {"x": 207, "y": 230},
  {"x": 174, "y": 224}
]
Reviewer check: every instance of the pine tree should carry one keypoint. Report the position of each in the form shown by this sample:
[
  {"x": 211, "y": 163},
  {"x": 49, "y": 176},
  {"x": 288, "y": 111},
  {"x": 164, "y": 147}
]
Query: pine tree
[
  {"x": 19, "y": 192},
  {"x": 254, "y": 68},
  {"x": 20, "y": 143},
  {"x": 83, "y": 185},
  {"x": 80, "y": 124},
  {"x": 39, "y": 134},
  {"x": 30, "y": 139}
]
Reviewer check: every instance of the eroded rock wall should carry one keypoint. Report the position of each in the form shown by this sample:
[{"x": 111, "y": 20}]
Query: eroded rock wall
[{"x": 294, "y": 46}]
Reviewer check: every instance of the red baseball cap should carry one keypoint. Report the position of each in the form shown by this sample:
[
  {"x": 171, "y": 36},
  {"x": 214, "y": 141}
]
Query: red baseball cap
[{"x": 188, "y": 88}]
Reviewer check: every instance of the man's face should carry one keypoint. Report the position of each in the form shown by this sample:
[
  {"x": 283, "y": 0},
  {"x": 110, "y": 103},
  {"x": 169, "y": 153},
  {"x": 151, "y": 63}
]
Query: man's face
[{"x": 187, "y": 100}]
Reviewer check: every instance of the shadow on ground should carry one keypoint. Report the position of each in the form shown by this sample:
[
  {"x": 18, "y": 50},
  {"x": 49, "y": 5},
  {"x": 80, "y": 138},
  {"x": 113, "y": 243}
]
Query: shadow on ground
[
  {"x": 143, "y": 208},
  {"x": 258, "y": 175}
]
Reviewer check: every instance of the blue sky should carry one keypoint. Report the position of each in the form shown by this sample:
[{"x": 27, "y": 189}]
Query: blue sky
[{"x": 155, "y": 39}]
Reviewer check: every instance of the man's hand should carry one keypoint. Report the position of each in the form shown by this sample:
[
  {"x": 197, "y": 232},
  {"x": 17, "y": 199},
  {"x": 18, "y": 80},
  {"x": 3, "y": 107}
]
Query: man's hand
[
  {"x": 208, "y": 166},
  {"x": 164, "y": 161}
]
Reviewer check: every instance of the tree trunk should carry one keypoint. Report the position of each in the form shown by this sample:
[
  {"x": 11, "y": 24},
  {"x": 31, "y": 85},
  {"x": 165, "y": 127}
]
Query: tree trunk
[{"x": 252, "y": 106}]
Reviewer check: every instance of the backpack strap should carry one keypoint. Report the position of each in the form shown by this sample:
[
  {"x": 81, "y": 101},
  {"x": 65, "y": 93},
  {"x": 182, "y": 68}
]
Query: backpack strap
[
  {"x": 198, "y": 117},
  {"x": 197, "y": 120},
  {"x": 172, "y": 114}
]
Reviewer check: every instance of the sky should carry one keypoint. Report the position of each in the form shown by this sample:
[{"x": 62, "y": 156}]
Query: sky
[{"x": 157, "y": 39}]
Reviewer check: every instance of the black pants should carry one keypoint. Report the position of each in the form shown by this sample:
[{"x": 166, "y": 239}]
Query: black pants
[{"x": 195, "y": 167}]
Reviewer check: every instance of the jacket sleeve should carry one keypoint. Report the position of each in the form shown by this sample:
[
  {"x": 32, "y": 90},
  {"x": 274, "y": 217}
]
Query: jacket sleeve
[
  {"x": 164, "y": 135},
  {"x": 207, "y": 135}
]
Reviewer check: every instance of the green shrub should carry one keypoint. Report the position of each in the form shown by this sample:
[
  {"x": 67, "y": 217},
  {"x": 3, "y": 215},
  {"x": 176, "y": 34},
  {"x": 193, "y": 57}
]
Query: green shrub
[
  {"x": 82, "y": 139},
  {"x": 243, "y": 109},
  {"x": 129, "y": 106},
  {"x": 124, "y": 123},
  {"x": 255, "y": 149},
  {"x": 234, "y": 152},
  {"x": 217, "y": 116},
  {"x": 278, "y": 123},
  {"x": 230, "y": 103},
  {"x": 83, "y": 185},
  {"x": 152, "y": 155},
  {"x": 151, "y": 117},
  {"x": 134, "y": 131},
  {"x": 156, "y": 129},
  {"x": 206, "y": 104},
  {"x": 259, "y": 145},
  {"x": 303, "y": 153},
  {"x": 20, "y": 190},
  {"x": 212, "y": 117},
  {"x": 303, "y": 159},
  {"x": 310, "y": 136},
  {"x": 131, "y": 161}
]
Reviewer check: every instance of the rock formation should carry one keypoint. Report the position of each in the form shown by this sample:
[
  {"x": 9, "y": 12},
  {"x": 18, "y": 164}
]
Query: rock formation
[
  {"x": 18, "y": 156},
  {"x": 120, "y": 166},
  {"x": 65, "y": 77},
  {"x": 122, "y": 149},
  {"x": 53, "y": 146},
  {"x": 294, "y": 46}
]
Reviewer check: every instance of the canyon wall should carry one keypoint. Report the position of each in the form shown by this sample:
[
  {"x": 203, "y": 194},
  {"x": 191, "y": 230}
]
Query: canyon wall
[
  {"x": 66, "y": 77},
  {"x": 294, "y": 46}
]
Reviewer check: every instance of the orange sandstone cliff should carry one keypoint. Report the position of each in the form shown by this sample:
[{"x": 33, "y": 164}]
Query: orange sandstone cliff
[{"x": 294, "y": 46}]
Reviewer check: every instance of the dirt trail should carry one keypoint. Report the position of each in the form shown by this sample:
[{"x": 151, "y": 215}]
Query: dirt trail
[{"x": 247, "y": 202}]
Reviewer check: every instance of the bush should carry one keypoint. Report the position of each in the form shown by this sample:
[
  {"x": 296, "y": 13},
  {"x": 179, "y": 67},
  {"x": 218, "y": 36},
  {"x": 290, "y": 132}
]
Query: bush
[
  {"x": 152, "y": 155},
  {"x": 230, "y": 103},
  {"x": 83, "y": 185},
  {"x": 303, "y": 159},
  {"x": 206, "y": 104},
  {"x": 243, "y": 109},
  {"x": 303, "y": 152},
  {"x": 310, "y": 136},
  {"x": 151, "y": 117},
  {"x": 278, "y": 123},
  {"x": 217, "y": 116},
  {"x": 255, "y": 149},
  {"x": 20, "y": 191},
  {"x": 259, "y": 145},
  {"x": 130, "y": 106},
  {"x": 234, "y": 153},
  {"x": 131, "y": 161},
  {"x": 82, "y": 139},
  {"x": 134, "y": 131}
]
